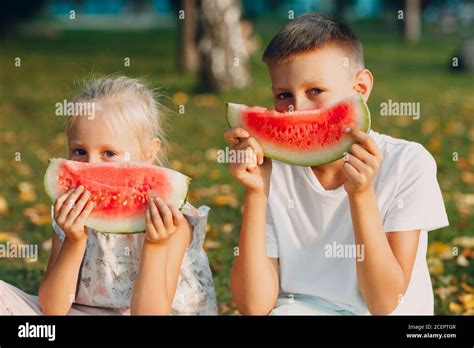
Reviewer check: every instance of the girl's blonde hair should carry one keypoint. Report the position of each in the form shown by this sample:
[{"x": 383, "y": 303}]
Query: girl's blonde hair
[{"x": 130, "y": 101}]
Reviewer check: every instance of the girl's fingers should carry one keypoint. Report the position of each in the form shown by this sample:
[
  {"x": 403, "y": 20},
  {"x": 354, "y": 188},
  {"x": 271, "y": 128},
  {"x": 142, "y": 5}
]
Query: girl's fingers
[
  {"x": 82, "y": 217},
  {"x": 166, "y": 214},
  {"x": 60, "y": 200},
  {"x": 68, "y": 204},
  {"x": 234, "y": 135},
  {"x": 79, "y": 206},
  {"x": 156, "y": 218},
  {"x": 178, "y": 217},
  {"x": 150, "y": 228}
]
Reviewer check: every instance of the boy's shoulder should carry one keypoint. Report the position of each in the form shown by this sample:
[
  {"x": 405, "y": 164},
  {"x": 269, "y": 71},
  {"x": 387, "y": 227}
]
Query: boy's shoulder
[{"x": 403, "y": 153}]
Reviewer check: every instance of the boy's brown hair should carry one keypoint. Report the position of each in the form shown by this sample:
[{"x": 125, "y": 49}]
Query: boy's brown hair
[{"x": 309, "y": 32}]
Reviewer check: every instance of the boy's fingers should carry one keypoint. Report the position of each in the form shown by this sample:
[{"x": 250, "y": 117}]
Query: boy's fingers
[
  {"x": 234, "y": 135},
  {"x": 365, "y": 156},
  {"x": 352, "y": 173},
  {"x": 364, "y": 139},
  {"x": 257, "y": 148},
  {"x": 359, "y": 165}
]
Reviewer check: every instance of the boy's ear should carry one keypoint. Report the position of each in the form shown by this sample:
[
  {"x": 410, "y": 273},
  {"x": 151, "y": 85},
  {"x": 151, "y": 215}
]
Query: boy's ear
[{"x": 364, "y": 80}]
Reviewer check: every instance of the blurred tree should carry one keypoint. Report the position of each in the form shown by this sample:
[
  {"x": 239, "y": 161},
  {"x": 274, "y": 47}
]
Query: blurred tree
[
  {"x": 188, "y": 49},
  {"x": 14, "y": 12},
  {"x": 222, "y": 50},
  {"x": 412, "y": 20}
]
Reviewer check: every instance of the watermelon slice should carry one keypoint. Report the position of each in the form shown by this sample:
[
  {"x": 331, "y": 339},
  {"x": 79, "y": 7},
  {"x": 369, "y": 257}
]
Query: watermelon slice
[
  {"x": 120, "y": 191},
  {"x": 304, "y": 138}
]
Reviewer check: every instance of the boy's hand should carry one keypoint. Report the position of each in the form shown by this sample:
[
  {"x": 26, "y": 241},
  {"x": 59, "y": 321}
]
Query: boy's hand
[
  {"x": 162, "y": 221},
  {"x": 254, "y": 172},
  {"x": 362, "y": 162},
  {"x": 71, "y": 211}
]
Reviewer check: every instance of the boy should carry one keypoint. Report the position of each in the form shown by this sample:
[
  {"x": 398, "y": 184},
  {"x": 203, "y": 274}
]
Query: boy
[{"x": 382, "y": 198}]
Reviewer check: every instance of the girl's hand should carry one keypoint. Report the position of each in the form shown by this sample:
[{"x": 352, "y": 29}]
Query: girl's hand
[
  {"x": 162, "y": 221},
  {"x": 252, "y": 169},
  {"x": 361, "y": 163},
  {"x": 71, "y": 211}
]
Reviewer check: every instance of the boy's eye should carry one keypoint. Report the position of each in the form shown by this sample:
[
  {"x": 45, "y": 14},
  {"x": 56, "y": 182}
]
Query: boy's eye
[
  {"x": 109, "y": 154},
  {"x": 79, "y": 152},
  {"x": 284, "y": 95},
  {"x": 315, "y": 91}
]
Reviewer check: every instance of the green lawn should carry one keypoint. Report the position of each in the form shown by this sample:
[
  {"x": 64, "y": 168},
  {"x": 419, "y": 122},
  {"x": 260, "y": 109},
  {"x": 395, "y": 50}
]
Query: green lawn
[{"x": 51, "y": 67}]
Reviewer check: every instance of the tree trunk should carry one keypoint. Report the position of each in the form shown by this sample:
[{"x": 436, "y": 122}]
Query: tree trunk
[
  {"x": 412, "y": 20},
  {"x": 222, "y": 49},
  {"x": 188, "y": 53}
]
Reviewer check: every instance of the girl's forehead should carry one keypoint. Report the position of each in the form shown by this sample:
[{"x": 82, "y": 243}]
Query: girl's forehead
[{"x": 98, "y": 132}]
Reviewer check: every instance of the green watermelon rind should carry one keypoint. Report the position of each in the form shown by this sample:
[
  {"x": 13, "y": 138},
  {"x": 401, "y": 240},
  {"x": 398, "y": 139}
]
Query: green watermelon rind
[
  {"x": 316, "y": 158},
  {"x": 118, "y": 226}
]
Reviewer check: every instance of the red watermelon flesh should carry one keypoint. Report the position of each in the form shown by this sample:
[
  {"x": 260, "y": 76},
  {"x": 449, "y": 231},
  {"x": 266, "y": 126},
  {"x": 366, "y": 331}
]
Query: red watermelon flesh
[
  {"x": 306, "y": 138},
  {"x": 120, "y": 191}
]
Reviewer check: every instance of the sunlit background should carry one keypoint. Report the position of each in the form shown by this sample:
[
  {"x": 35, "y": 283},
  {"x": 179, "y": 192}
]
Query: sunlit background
[{"x": 419, "y": 51}]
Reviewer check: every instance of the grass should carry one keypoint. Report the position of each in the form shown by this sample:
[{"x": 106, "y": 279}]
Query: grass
[{"x": 51, "y": 67}]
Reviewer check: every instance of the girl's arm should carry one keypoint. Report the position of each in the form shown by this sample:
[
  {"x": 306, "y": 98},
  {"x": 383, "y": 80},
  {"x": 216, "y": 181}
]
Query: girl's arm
[
  {"x": 385, "y": 270},
  {"x": 166, "y": 239},
  {"x": 57, "y": 291},
  {"x": 254, "y": 279}
]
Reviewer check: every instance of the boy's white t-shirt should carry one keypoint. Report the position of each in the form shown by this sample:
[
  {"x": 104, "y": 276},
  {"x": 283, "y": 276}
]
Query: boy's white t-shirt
[{"x": 310, "y": 229}]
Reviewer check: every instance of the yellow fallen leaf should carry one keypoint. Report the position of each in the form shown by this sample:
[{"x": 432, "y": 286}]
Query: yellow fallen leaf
[
  {"x": 39, "y": 214},
  {"x": 10, "y": 237},
  {"x": 455, "y": 308},
  {"x": 467, "y": 288},
  {"x": 180, "y": 98},
  {"x": 27, "y": 191},
  {"x": 3, "y": 205},
  {"x": 467, "y": 300},
  {"x": 440, "y": 250},
  {"x": 436, "y": 266}
]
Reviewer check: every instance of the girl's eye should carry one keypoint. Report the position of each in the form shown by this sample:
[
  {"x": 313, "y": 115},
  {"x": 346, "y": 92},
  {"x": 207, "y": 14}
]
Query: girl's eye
[
  {"x": 284, "y": 95},
  {"x": 79, "y": 152},
  {"x": 315, "y": 91},
  {"x": 109, "y": 154}
]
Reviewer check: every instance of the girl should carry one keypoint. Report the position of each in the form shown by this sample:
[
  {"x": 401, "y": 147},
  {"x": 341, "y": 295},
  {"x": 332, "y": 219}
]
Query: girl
[{"x": 161, "y": 271}]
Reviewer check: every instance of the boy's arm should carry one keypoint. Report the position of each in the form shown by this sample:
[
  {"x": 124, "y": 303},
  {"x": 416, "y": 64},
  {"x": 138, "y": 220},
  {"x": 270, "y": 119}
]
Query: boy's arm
[
  {"x": 384, "y": 273},
  {"x": 254, "y": 279}
]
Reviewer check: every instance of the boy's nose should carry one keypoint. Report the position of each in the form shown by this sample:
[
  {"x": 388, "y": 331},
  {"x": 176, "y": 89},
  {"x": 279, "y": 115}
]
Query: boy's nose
[{"x": 302, "y": 104}]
